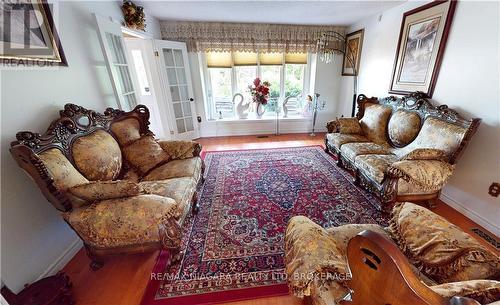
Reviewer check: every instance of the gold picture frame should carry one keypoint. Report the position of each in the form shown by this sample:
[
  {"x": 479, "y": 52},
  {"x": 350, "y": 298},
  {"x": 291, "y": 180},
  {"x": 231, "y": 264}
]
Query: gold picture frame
[
  {"x": 29, "y": 35},
  {"x": 352, "y": 55}
]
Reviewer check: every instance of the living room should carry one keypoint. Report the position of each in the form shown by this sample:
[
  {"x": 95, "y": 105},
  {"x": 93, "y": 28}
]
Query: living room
[{"x": 243, "y": 152}]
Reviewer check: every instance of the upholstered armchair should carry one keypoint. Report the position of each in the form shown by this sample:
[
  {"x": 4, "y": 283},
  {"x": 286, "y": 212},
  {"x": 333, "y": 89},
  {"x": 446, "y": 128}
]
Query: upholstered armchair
[
  {"x": 117, "y": 187},
  {"x": 401, "y": 149},
  {"x": 419, "y": 256}
]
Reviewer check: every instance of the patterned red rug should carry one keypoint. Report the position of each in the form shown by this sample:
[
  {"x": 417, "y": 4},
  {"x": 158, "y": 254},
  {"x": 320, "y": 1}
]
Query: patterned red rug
[{"x": 234, "y": 245}]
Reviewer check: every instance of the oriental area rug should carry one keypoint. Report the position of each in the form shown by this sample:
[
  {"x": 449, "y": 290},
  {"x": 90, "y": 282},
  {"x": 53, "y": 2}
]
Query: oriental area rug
[{"x": 234, "y": 247}]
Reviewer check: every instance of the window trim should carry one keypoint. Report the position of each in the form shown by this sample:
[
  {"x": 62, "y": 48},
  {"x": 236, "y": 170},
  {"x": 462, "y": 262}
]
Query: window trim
[{"x": 211, "y": 114}]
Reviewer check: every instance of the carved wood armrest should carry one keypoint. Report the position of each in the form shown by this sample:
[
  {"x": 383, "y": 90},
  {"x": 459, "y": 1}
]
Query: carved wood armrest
[{"x": 381, "y": 274}]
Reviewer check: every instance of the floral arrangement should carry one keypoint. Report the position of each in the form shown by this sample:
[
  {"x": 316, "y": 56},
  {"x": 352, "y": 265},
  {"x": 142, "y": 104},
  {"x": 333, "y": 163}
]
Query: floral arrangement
[
  {"x": 260, "y": 91},
  {"x": 134, "y": 15}
]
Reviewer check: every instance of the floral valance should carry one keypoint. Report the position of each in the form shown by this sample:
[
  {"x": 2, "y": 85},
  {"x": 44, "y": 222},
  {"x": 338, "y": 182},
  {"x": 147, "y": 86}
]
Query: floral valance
[{"x": 246, "y": 37}]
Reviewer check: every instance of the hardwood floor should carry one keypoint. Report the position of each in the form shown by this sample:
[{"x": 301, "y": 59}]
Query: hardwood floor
[{"x": 123, "y": 279}]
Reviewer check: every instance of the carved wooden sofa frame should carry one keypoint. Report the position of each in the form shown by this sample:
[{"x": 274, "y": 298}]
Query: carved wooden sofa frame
[
  {"x": 415, "y": 102},
  {"x": 74, "y": 122}
]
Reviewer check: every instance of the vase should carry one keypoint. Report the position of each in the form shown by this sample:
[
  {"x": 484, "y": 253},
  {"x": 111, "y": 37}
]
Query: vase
[{"x": 259, "y": 111}]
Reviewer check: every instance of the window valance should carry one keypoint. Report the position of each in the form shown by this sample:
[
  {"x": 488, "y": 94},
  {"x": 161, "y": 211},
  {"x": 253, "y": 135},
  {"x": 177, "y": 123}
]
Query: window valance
[
  {"x": 246, "y": 37},
  {"x": 231, "y": 59}
]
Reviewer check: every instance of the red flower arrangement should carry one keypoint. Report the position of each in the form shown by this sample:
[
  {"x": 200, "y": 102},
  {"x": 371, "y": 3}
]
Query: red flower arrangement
[{"x": 260, "y": 91}]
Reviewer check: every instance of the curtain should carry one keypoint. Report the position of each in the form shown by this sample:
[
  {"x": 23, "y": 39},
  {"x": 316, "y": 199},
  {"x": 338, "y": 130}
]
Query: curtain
[{"x": 246, "y": 37}]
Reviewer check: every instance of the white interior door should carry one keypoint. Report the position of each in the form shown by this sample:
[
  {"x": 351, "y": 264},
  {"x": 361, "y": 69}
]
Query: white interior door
[
  {"x": 175, "y": 78},
  {"x": 117, "y": 62}
]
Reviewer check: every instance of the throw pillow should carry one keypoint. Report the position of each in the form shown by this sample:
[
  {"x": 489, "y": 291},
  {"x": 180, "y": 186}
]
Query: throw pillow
[
  {"x": 349, "y": 126},
  {"x": 101, "y": 190},
  {"x": 426, "y": 154},
  {"x": 145, "y": 154},
  {"x": 441, "y": 250}
]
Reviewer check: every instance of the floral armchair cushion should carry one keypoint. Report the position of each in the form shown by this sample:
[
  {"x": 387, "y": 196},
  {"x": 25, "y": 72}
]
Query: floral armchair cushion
[
  {"x": 348, "y": 126},
  {"x": 374, "y": 123},
  {"x": 440, "y": 249},
  {"x": 126, "y": 131}
]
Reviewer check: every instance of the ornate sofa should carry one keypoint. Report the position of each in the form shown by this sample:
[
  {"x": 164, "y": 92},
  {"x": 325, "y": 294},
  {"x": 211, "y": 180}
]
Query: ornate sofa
[
  {"x": 117, "y": 187},
  {"x": 420, "y": 254},
  {"x": 401, "y": 149}
]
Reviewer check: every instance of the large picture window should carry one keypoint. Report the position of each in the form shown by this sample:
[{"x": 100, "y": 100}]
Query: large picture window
[{"x": 229, "y": 73}]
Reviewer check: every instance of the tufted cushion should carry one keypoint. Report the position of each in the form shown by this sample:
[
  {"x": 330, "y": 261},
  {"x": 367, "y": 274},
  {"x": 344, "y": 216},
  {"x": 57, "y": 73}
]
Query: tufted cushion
[
  {"x": 440, "y": 249},
  {"x": 145, "y": 154},
  {"x": 351, "y": 150},
  {"x": 374, "y": 166},
  {"x": 126, "y": 131},
  {"x": 374, "y": 123},
  {"x": 175, "y": 169},
  {"x": 437, "y": 134},
  {"x": 97, "y": 156},
  {"x": 403, "y": 127},
  {"x": 179, "y": 189},
  {"x": 483, "y": 291},
  {"x": 101, "y": 190},
  {"x": 121, "y": 222},
  {"x": 62, "y": 171},
  {"x": 338, "y": 139},
  {"x": 349, "y": 126}
]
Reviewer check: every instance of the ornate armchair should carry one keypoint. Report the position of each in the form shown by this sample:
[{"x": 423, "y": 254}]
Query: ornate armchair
[
  {"x": 117, "y": 187},
  {"x": 401, "y": 149},
  {"x": 419, "y": 259}
]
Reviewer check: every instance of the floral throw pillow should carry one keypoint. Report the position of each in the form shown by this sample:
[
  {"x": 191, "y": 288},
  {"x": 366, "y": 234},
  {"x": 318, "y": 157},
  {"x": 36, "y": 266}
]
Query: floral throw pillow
[
  {"x": 145, "y": 154},
  {"x": 101, "y": 190},
  {"x": 349, "y": 126}
]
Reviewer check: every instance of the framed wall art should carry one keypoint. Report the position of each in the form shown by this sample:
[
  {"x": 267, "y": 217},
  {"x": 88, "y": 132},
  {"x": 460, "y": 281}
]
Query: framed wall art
[
  {"x": 29, "y": 34},
  {"x": 352, "y": 55},
  {"x": 422, "y": 40}
]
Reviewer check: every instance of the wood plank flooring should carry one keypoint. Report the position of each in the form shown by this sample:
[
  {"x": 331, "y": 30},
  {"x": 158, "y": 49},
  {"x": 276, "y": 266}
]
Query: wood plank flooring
[{"x": 123, "y": 279}]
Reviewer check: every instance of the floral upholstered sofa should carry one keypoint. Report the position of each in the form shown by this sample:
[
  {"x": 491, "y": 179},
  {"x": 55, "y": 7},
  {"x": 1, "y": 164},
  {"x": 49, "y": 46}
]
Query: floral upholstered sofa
[
  {"x": 441, "y": 257},
  {"x": 118, "y": 188},
  {"x": 401, "y": 149}
]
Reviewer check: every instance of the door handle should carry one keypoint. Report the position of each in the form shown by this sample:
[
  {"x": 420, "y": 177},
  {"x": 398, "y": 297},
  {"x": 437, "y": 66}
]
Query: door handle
[{"x": 191, "y": 99}]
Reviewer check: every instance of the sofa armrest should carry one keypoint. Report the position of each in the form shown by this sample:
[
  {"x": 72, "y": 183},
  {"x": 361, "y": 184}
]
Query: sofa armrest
[
  {"x": 95, "y": 191},
  {"x": 311, "y": 254},
  {"x": 181, "y": 149},
  {"x": 332, "y": 126},
  {"x": 428, "y": 174}
]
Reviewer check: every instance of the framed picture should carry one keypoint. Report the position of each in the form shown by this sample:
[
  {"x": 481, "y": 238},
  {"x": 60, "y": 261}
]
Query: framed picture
[
  {"x": 354, "y": 43},
  {"x": 421, "y": 45},
  {"x": 29, "y": 34}
]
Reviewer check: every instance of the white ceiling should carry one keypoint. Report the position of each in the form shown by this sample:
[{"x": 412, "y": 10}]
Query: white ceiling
[{"x": 252, "y": 11}]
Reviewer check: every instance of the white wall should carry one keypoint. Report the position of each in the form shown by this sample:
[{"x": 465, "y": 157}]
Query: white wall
[
  {"x": 327, "y": 81},
  {"x": 468, "y": 82},
  {"x": 34, "y": 238}
]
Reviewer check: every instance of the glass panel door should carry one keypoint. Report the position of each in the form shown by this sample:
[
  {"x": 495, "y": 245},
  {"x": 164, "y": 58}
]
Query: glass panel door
[
  {"x": 117, "y": 63},
  {"x": 174, "y": 64}
]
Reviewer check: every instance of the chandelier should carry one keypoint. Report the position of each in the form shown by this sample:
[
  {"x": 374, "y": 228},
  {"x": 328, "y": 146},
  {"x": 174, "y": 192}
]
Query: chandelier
[{"x": 329, "y": 44}]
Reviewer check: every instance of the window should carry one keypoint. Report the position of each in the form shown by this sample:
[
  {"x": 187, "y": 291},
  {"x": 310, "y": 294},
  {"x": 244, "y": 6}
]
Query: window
[{"x": 232, "y": 73}]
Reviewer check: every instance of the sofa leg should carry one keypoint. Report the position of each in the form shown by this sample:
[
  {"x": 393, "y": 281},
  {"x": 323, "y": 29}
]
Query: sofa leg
[
  {"x": 96, "y": 265},
  {"x": 195, "y": 207},
  {"x": 432, "y": 203},
  {"x": 175, "y": 256}
]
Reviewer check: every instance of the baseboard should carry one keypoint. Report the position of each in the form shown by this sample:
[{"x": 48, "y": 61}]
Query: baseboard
[
  {"x": 63, "y": 259},
  {"x": 462, "y": 208}
]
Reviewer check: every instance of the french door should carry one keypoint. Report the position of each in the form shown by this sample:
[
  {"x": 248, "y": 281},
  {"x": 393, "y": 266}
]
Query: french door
[
  {"x": 117, "y": 62},
  {"x": 175, "y": 79}
]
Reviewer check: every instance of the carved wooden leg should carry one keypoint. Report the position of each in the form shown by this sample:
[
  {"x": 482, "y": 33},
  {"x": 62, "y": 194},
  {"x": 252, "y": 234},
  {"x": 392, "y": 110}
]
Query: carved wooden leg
[
  {"x": 339, "y": 160},
  {"x": 389, "y": 194},
  {"x": 432, "y": 203},
  {"x": 195, "y": 207},
  {"x": 96, "y": 263},
  {"x": 326, "y": 146},
  {"x": 170, "y": 238}
]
